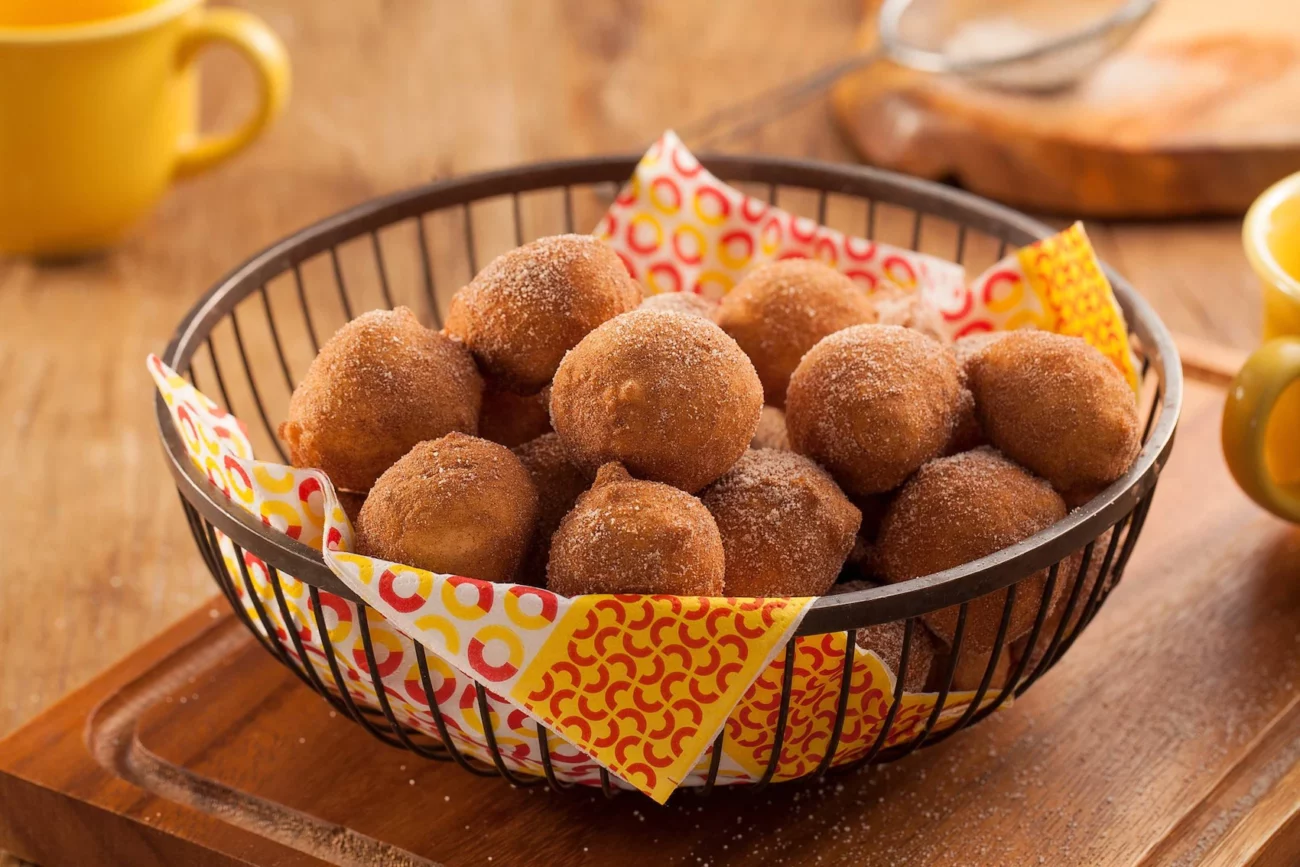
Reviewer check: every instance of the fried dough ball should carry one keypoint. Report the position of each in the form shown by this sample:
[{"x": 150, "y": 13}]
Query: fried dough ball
[
  {"x": 559, "y": 484},
  {"x": 511, "y": 419},
  {"x": 779, "y": 311},
  {"x": 898, "y": 306},
  {"x": 529, "y": 306},
  {"x": 630, "y": 536},
  {"x": 771, "y": 432},
  {"x": 1056, "y": 405},
  {"x": 785, "y": 526},
  {"x": 885, "y": 640},
  {"x": 958, "y": 509},
  {"x": 871, "y": 404},
  {"x": 457, "y": 505},
  {"x": 380, "y": 385},
  {"x": 668, "y": 395},
  {"x": 682, "y": 302}
]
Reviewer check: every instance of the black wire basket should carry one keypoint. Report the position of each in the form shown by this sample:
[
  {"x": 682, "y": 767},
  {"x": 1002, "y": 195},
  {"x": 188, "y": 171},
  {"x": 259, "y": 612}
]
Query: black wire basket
[{"x": 255, "y": 331}]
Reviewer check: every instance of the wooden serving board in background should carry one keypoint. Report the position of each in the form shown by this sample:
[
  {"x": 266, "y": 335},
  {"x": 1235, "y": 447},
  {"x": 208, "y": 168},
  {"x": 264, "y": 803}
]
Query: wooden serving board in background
[
  {"x": 1168, "y": 735},
  {"x": 1196, "y": 115}
]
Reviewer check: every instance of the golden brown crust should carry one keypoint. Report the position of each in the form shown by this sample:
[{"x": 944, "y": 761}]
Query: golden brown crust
[
  {"x": 872, "y": 403},
  {"x": 956, "y": 510},
  {"x": 512, "y": 419},
  {"x": 529, "y": 306},
  {"x": 1057, "y": 406},
  {"x": 380, "y": 385},
  {"x": 771, "y": 432},
  {"x": 780, "y": 311},
  {"x": 682, "y": 302},
  {"x": 786, "y": 528},
  {"x": 668, "y": 395},
  {"x": 458, "y": 505},
  {"x": 630, "y": 536},
  {"x": 559, "y": 483}
]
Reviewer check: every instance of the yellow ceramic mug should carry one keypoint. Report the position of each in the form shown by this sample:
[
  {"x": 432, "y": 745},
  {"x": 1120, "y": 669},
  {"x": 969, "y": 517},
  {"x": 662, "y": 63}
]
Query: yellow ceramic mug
[
  {"x": 98, "y": 112},
  {"x": 1261, "y": 421}
]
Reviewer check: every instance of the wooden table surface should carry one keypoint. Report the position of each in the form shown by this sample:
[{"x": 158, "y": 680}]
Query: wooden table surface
[{"x": 386, "y": 94}]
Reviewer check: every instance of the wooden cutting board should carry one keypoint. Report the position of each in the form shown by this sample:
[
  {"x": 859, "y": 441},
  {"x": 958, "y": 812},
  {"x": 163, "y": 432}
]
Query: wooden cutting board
[
  {"x": 1196, "y": 115},
  {"x": 1168, "y": 735}
]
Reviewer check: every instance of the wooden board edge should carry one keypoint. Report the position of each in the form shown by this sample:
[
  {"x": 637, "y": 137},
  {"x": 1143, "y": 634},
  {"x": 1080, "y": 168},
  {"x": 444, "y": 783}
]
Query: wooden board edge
[{"x": 88, "y": 835}]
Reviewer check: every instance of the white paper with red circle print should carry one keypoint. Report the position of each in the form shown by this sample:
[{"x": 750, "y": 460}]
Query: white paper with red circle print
[{"x": 680, "y": 229}]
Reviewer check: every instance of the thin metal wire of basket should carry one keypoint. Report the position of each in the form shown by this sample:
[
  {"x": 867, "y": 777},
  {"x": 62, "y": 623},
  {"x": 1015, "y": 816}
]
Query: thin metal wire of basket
[{"x": 254, "y": 332}]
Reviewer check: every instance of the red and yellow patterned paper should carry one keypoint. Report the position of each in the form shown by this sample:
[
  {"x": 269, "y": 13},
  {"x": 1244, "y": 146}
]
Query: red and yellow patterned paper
[{"x": 680, "y": 229}]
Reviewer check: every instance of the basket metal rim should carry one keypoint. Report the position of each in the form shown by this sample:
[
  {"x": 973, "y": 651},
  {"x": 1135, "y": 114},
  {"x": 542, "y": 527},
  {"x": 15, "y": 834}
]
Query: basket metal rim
[{"x": 826, "y": 614}]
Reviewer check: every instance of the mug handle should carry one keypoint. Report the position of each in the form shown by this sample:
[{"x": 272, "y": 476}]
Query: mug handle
[
  {"x": 1251, "y": 397},
  {"x": 264, "y": 51}
]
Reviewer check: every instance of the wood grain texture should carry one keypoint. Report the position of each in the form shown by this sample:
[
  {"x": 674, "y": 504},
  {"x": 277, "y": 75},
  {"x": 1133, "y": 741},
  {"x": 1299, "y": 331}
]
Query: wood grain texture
[
  {"x": 387, "y": 94},
  {"x": 1197, "y": 115},
  {"x": 1170, "y": 735}
]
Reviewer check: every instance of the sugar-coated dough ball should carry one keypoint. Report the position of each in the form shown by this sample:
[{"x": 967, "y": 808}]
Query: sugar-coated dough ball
[
  {"x": 885, "y": 640},
  {"x": 1057, "y": 406},
  {"x": 630, "y": 536},
  {"x": 668, "y": 395},
  {"x": 682, "y": 302},
  {"x": 779, "y": 311},
  {"x": 559, "y": 483},
  {"x": 958, "y": 509},
  {"x": 771, "y": 432},
  {"x": 872, "y": 403},
  {"x": 533, "y": 304},
  {"x": 380, "y": 385},
  {"x": 785, "y": 526},
  {"x": 458, "y": 505},
  {"x": 512, "y": 419}
]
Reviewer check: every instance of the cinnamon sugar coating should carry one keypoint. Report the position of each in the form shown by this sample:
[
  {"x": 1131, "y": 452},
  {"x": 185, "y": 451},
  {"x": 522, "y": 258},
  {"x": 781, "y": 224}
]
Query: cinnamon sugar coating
[
  {"x": 380, "y": 385},
  {"x": 531, "y": 305},
  {"x": 631, "y": 536},
  {"x": 458, "y": 505},
  {"x": 872, "y": 403},
  {"x": 668, "y": 395}
]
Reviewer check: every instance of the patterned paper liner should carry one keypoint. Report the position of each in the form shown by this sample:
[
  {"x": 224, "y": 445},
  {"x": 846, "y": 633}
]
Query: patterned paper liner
[{"x": 639, "y": 685}]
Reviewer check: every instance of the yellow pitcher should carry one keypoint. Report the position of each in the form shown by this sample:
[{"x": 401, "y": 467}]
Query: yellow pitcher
[
  {"x": 98, "y": 112},
  {"x": 1261, "y": 421}
]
